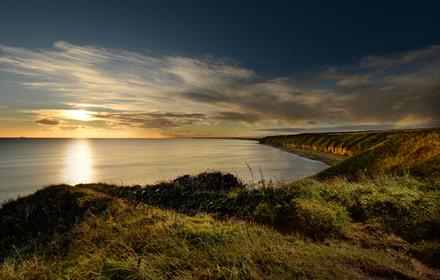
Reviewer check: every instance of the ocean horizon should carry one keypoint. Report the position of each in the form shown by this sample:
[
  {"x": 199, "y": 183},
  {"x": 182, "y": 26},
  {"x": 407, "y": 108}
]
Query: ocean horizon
[{"x": 29, "y": 164}]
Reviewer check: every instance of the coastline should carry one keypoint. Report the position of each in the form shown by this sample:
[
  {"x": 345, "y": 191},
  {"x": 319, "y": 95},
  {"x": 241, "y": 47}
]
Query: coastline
[
  {"x": 214, "y": 213},
  {"x": 329, "y": 159}
]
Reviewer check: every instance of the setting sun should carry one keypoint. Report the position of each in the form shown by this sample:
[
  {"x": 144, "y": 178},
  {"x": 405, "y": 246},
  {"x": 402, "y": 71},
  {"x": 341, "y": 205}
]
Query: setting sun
[{"x": 80, "y": 115}]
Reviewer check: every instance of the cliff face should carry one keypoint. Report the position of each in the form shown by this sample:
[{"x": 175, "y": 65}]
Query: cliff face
[{"x": 415, "y": 152}]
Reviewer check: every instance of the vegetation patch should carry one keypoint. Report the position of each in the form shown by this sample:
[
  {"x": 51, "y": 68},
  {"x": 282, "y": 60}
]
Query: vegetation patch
[
  {"x": 319, "y": 219},
  {"x": 137, "y": 241},
  {"x": 428, "y": 252},
  {"x": 316, "y": 209},
  {"x": 415, "y": 152},
  {"x": 29, "y": 223}
]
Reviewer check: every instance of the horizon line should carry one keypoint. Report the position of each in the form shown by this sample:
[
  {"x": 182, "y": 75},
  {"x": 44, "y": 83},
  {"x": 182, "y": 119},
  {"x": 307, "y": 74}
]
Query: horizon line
[{"x": 223, "y": 137}]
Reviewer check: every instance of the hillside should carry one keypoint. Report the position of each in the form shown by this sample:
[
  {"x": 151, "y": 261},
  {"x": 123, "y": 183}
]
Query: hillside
[
  {"x": 415, "y": 152},
  {"x": 305, "y": 229}
]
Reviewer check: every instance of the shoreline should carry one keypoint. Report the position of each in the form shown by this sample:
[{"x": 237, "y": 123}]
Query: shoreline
[{"x": 329, "y": 159}]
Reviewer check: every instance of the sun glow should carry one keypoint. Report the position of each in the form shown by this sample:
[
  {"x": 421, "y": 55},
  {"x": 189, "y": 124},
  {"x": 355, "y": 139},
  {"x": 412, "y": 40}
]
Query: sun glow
[
  {"x": 78, "y": 166},
  {"x": 80, "y": 115}
]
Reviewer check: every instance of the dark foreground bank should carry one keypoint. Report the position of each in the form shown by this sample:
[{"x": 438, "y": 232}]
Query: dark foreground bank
[{"x": 212, "y": 227}]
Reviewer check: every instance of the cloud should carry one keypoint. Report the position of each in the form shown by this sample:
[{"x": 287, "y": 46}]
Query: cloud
[
  {"x": 166, "y": 121},
  {"x": 151, "y": 120},
  {"x": 353, "y": 81},
  {"x": 238, "y": 117},
  {"x": 341, "y": 128},
  {"x": 382, "y": 62},
  {"x": 48, "y": 121},
  {"x": 69, "y": 127},
  {"x": 137, "y": 89}
]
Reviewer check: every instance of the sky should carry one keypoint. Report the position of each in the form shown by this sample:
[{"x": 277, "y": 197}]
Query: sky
[{"x": 216, "y": 68}]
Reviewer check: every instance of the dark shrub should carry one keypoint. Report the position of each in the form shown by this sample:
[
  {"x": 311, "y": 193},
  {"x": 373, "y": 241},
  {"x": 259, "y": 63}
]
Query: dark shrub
[
  {"x": 29, "y": 223},
  {"x": 214, "y": 181}
]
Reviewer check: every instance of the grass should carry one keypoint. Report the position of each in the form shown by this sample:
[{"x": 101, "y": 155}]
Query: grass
[
  {"x": 31, "y": 222},
  {"x": 303, "y": 229},
  {"x": 317, "y": 209},
  {"x": 124, "y": 240},
  {"x": 415, "y": 152}
]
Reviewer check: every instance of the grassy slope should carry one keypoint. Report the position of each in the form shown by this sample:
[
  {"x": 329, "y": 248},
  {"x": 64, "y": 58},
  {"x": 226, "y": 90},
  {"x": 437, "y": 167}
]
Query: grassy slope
[
  {"x": 374, "y": 227},
  {"x": 416, "y": 152},
  {"x": 339, "y": 230}
]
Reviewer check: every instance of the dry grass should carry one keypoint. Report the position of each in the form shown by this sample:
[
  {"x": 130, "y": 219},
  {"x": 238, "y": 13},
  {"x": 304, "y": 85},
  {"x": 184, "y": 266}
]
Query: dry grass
[
  {"x": 415, "y": 152},
  {"x": 127, "y": 241},
  {"x": 117, "y": 235}
]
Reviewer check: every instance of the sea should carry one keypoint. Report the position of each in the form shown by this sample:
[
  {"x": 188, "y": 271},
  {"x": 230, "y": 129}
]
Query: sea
[{"x": 29, "y": 164}]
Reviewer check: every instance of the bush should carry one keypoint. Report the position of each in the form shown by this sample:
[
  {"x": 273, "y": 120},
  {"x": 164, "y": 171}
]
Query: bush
[
  {"x": 319, "y": 219},
  {"x": 213, "y": 181},
  {"x": 264, "y": 213}
]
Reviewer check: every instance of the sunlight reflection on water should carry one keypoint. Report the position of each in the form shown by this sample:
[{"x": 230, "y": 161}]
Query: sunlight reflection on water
[
  {"x": 78, "y": 162},
  {"x": 29, "y": 164}
]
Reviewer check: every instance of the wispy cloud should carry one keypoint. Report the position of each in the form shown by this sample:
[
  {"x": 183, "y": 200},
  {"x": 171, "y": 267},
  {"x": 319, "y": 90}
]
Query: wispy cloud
[
  {"x": 152, "y": 120},
  {"x": 340, "y": 128},
  {"x": 143, "y": 90},
  {"x": 48, "y": 121},
  {"x": 430, "y": 54}
]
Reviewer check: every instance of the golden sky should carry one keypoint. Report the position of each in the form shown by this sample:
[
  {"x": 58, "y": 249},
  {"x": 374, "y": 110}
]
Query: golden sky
[{"x": 90, "y": 91}]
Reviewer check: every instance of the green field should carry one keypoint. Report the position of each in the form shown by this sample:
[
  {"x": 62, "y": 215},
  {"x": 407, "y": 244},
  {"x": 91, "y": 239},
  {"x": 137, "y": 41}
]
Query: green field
[{"x": 355, "y": 220}]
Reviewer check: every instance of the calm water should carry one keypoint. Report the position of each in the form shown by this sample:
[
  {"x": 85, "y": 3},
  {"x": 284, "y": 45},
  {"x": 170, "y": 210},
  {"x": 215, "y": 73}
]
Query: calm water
[{"x": 29, "y": 164}]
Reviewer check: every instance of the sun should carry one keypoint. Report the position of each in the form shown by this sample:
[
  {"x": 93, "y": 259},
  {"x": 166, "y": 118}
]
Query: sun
[{"x": 80, "y": 115}]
